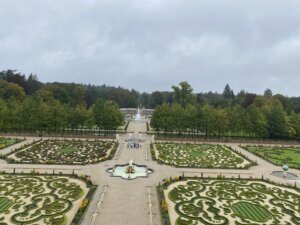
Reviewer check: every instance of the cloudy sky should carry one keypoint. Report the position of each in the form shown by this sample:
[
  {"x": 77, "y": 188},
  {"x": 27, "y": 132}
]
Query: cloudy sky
[{"x": 151, "y": 44}]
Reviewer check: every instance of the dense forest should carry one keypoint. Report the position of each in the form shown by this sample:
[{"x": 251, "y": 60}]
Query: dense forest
[
  {"x": 28, "y": 104},
  {"x": 244, "y": 115}
]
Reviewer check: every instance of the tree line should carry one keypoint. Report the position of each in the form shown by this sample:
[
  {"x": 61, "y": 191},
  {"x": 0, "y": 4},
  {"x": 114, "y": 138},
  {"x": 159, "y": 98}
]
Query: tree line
[
  {"x": 87, "y": 94},
  {"x": 265, "y": 117},
  {"x": 67, "y": 93},
  {"x": 41, "y": 112}
]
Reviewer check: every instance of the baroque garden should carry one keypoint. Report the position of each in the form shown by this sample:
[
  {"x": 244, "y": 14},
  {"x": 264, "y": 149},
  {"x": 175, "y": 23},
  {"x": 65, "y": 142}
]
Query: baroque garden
[
  {"x": 183, "y": 163},
  {"x": 60, "y": 181}
]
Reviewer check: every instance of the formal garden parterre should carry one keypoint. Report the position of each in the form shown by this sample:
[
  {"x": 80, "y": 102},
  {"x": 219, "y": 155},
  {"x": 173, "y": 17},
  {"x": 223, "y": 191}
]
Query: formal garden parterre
[
  {"x": 199, "y": 156},
  {"x": 42, "y": 199},
  {"x": 277, "y": 155},
  {"x": 64, "y": 152},
  {"x": 228, "y": 202}
]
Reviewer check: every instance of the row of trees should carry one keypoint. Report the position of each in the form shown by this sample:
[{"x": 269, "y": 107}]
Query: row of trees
[
  {"x": 74, "y": 94},
  {"x": 42, "y": 112},
  {"x": 269, "y": 122},
  {"x": 264, "y": 118}
]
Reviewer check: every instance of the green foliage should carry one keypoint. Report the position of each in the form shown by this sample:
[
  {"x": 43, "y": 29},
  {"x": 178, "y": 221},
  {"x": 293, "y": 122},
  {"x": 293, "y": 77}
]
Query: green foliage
[
  {"x": 226, "y": 201},
  {"x": 107, "y": 115},
  {"x": 64, "y": 152},
  {"x": 5, "y": 142},
  {"x": 183, "y": 94},
  {"x": 42, "y": 112},
  {"x": 270, "y": 121},
  {"x": 228, "y": 92},
  {"x": 5, "y": 204},
  {"x": 277, "y": 155},
  {"x": 199, "y": 155},
  {"x": 254, "y": 212},
  {"x": 11, "y": 90},
  {"x": 38, "y": 199}
]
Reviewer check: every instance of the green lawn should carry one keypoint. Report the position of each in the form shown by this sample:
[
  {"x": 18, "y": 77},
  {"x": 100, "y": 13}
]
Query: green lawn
[
  {"x": 5, "y": 204},
  {"x": 251, "y": 211},
  {"x": 277, "y": 155},
  {"x": 5, "y": 142}
]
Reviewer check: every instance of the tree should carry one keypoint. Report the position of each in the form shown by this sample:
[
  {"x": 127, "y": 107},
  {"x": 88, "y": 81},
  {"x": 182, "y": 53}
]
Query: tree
[
  {"x": 236, "y": 116},
  {"x": 209, "y": 123},
  {"x": 228, "y": 92},
  {"x": 268, "y": 93},
  {"x": 222, "y": 123},
  {"x": 107, "y": 115},
  {"x": 4, "y": 115},
  {"x": 157, "y": 98},
  {"x": 183, "y": 94},
  {"x": 162, "y": 119},
  {"x": 276, "y": 118},
  {"x": 294, "y": 119},
  {"x": 258, "y": 121},
  {"x": 8, "y": 90},
  {"x": 178, "y": 117}
]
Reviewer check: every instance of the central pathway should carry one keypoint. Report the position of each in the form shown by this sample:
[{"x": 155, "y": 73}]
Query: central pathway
[
  {"x": 134, "y": 202},
  {"x": 126, "y": 202}
]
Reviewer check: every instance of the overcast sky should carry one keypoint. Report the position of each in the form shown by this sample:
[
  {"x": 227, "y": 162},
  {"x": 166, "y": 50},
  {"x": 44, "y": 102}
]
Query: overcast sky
[{"x": 152, "y": 44}]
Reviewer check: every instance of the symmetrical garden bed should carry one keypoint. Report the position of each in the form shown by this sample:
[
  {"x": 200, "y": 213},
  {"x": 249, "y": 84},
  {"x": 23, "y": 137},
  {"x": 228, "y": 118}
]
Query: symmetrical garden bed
[
  {"x": 5, "y": 142},
  {"x": 64, "y": 152},
  {"x": 277, "y": 155},
  {"x": 229, "y": 202},
  {"x": 199, "y": 155},
  {"x": 37, "y": 199}
]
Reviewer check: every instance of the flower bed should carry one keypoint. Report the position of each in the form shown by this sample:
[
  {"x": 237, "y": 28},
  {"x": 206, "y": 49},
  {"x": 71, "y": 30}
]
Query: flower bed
[
  {"x": 199, "y": 156},
  {"x": 64, "y": 152},
  {"x": 228, "y": 201},
  {"x": 41, "y": 199}
]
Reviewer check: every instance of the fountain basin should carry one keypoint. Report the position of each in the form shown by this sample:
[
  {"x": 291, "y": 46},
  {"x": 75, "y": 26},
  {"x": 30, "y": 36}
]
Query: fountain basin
[
  {"x": 120, "y": 171},
  {"x": 285, "y": 175}
]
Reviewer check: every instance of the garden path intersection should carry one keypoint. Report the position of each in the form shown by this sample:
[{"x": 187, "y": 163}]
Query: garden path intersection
[{"x": 134, "y": 202}]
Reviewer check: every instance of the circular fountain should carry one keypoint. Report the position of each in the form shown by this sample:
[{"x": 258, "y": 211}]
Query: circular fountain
[
  {"x": 285, "y": 174},
  {"x": 130, "y": 171}
]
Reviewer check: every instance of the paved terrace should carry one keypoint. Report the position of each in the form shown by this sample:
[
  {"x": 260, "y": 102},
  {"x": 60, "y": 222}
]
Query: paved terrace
[{"x": 135, "y": 202}]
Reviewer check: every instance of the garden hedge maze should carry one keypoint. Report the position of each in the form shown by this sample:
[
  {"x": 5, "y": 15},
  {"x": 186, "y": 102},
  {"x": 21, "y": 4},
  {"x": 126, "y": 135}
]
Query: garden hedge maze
[
  {"x": 34, "y": 199},
  {"x": 232, "y": 202},
  {"x": 277, "y": 155},
  {"x": 64, "y": 152},
  {"x": 199, "y": 155}
]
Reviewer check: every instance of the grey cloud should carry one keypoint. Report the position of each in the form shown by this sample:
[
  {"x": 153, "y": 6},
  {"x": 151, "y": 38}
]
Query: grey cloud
[{"x": 150, "y": 45}]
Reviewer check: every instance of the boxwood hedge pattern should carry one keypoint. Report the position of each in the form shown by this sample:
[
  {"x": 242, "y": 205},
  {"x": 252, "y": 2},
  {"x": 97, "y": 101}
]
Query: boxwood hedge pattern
[
  {"x": 64, "y": 152},
  {"x": 34, "y": 199},
  {"x": 277, "y": 155},
  {"x": 199, "y": 155},
  {"x": 225, "y": 202}
]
